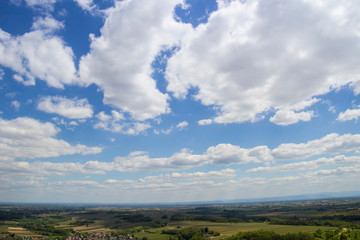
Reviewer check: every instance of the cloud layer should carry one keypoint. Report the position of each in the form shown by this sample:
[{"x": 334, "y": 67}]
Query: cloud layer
[
  {"x": 27, "y": 138},
  {"x": 120, "y": 59},
  {"x": 221, "y": 154},
  {"x": 255, "y": 56},
  {"x": 38, "y": 54},
  {"x": 69, "y": 108}
]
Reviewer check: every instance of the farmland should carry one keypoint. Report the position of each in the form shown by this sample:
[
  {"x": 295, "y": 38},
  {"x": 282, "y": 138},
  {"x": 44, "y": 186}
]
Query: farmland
[{"x": 219, "y": 221}]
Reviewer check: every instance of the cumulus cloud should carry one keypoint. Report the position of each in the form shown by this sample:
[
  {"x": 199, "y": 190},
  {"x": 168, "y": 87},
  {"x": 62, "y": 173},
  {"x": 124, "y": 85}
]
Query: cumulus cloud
[
  {"x": 230, "y": 154},
  {"x": 1, "y": 74},
  {"x": 39, "y": 2},
  {"x": 348, "y": 115},
  {"x": 38, "y": 141},
  {"x": 116, "y": 122},
  {"x": 339, "y": 171},
  {"x": 293, "y": 113},
  {"x": 255, "y": 56},
  {"x": 87, "y": 5},
  {"x": 287, "y": 117},
  {"x": 76, "y": 183},
  {"x": 329, "y": 144},
  {"x": 308, "y": 165},
  {"x": 182, "y": 125},
  {"x": 120, "y": 59},
  {"x": 163, "y": 131},
  {"x": 27, "y": 138},
  {"x": 15, "y": 104},
  {"x": 47, "y": 5},
  {"x": 142, "y": 162},
  {"x": 173, "y": 181},
  {"x": 69, "y": 108},
  {"x": 38, "y": 54},
  {"x": 225, "y": 173},
  {"x": 47, "y": 24},
  {"x": 222, "y": 154},
  {"x": 227, "y": 154},
  {"x": 160, "y": 184},
  {"x": 205, "y": 122}
]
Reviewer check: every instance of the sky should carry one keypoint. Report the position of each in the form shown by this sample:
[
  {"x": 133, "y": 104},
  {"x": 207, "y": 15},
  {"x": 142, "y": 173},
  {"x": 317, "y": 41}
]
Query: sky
[{"x": 160, "y": 101}]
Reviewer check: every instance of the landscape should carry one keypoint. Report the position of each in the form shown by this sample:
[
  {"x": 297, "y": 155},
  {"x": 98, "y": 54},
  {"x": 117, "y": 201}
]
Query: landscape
[
  {"x": 306, "y": 219},
  {"x": 179, "y": 119}
]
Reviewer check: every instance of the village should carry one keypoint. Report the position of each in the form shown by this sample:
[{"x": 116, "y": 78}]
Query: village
[
  {"x": 100, "y": 236},
  {"x": 78, "y": 236}
]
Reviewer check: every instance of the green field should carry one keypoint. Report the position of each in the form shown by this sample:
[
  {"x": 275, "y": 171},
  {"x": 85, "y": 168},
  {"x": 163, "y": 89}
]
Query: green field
[
  {"x": 330, "y": 216},
  {"x": 228, "y": 229}
]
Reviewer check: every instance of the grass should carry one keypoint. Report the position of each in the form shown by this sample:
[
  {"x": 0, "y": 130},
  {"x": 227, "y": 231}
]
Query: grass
[
  {"x": 3, "y": 228},
  {"x": 229, "y": 229},
  {"x": 152, "y": 235},
  {"x": 225, "y": 229}
]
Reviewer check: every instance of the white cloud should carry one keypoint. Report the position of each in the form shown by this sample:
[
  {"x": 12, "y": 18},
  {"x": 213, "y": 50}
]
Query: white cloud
[
  {"x": 120, "y": 59},
  {"x": 330, "y": 144},
  {"x": 227, "y": 154},
  {"x": 87, "y": 5},
  {"x": 293, "y": 113},
  {"x": 230, "y": 154},
  {"x": 173, "y": 181},
  {"x": 161, "y": 185},
  {"x": 27, "y": 138},
  {"x": 47, "y": 168},
  {"x": 349, "y": 114},
  {"x": 68, "y": 124},
  {"x": 286, "y": 117},
  {"x": 222, "y": 154},
  {"x": 225, "y": 173},
  {"x": 74, "y": 186},
  {"x": 163, "y": 131},
  {"x": 1, "y": 74},
  {"x": 47, "y": 24},
  {"x": 15, "y": 104},
  {"x": 39, "y": 2},
  {"x": 122, "y": 182},
  {"x": 188, "y": 186},
  {"x": 69, "y": 108},
  {"x": 255, "y": 56},
  {"x": 29, "y": 82},
  {"x": 308, "y": 165},
  {"x": 47, "y": 5},
  {"x": 205, "y": 122},
  {"x": 73, "y": 123},
  {"x": 182, "y": 125},
  {"x": 38, "y": 54},
  {"x": 339, "y": 171},
  {"x": 116, "y": 122}
]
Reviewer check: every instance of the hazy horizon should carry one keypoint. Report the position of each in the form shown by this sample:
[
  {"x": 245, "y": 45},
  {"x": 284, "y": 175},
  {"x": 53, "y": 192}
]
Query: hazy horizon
[{"x": 156, "y": 101}]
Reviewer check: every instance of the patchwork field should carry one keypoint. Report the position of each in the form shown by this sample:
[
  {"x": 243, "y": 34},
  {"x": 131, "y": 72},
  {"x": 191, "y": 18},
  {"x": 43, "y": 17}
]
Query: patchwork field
[
  {"x": 228, "y": 229},
  {"x": 19, "y": 231},
  {"x": 161, "y": 223}
]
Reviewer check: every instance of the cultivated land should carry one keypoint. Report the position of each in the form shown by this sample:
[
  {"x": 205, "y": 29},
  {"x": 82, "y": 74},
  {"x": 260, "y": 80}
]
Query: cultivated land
[{"x": 321, "y": 219}]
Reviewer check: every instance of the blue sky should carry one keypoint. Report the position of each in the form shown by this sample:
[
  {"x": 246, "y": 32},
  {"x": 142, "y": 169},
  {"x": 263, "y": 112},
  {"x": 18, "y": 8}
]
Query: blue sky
[{"x": 140, "y": 101}]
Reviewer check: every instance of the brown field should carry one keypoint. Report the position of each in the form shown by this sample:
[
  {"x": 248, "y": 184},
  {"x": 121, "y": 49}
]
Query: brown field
[
  {"x": 89, "y": 227},
  {"x": 100, "y": 230},
  {"x": 22, "y": 232}
]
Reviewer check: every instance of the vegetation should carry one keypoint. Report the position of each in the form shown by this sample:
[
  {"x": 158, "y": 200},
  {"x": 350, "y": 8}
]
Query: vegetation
[
  {"x": 322, "y": 219},
  {"x": 340, "y": 234}
]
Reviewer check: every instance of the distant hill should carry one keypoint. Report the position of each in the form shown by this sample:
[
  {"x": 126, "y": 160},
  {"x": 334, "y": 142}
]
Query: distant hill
[{"x": 302, "y": 197}]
